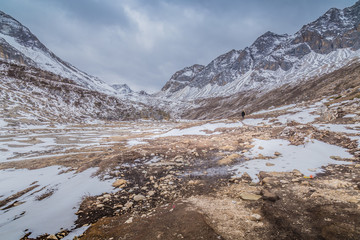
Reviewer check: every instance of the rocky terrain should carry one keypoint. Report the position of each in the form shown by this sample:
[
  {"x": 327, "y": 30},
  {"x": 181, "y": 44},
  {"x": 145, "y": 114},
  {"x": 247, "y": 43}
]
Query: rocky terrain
[
  {"x": 84, "y": 160},
  {"x": 290, "y": 172}
]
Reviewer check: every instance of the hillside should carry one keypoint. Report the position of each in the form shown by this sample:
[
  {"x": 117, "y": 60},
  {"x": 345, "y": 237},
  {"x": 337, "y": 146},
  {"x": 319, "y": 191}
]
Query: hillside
[{"x": 32, "y": 96}]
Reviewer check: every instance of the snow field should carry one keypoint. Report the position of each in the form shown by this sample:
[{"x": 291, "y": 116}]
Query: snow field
[{"x": 52, "y": 213}]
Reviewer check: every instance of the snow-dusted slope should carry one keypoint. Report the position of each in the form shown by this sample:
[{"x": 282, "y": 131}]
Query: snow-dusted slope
[
  {"x": 19, "y": 45},
  {"x": 31, "y": 96},
  {"x": 325, "y": 45}
]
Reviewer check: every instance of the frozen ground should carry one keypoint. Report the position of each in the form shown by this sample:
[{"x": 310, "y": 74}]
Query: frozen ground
[
  {"x": 45, "y": 200},
  {"x": 307, "y": 158},
  {"x": 35, "y": 211},
  {"x": 47, "y": 141}
]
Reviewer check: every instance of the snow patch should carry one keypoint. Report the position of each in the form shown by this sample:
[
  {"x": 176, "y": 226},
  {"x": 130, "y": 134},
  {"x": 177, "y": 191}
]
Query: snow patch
[
  {"x": 52, "y": 213},
  {"x": 312, "y": 155}
]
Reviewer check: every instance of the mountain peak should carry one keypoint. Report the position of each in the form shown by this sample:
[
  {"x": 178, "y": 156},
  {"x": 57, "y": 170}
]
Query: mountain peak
[
  {"x": 122, "y": 88},
  {"x": 275, "y": 59}
]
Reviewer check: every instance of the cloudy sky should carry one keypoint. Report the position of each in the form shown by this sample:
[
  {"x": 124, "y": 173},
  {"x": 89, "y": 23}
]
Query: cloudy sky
[{"x": 143, "y": 42}]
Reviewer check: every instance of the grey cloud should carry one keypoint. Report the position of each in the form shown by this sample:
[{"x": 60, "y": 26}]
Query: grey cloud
[{"x": 142, "y": 43}]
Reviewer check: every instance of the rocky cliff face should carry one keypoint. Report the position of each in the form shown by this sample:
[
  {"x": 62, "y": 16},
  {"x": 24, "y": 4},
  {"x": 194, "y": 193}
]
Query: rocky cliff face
[
  {"x": 328, "y": 43},
  {"x": 182, "y": 78},
  {"x": 122, "y": 88}
]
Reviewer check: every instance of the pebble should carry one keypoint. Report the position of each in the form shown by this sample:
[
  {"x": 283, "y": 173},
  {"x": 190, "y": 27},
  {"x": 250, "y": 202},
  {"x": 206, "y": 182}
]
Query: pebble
[
  {"x": 267, "y": 195},
  {"x": 128, "y": 205},
  {"x": 139, "y": 197},
  {"x": 119, "y": 183},
  {"x": 255, "y": 217},
  {"x": 250, "y": 196},
  {"x": 151, "y": 193},
  {"x": 52, "y": 237},
  {"x": 100, "y": 205},
  {"x": 130, "y": 220}
]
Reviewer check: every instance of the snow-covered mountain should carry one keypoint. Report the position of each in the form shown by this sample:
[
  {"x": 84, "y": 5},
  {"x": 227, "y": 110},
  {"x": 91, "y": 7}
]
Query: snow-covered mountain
[
  {"x": 320, "y": 47},
  {"x": 19, "y": 45},
  {"x": 36, "y": 86},
  {"x": 122, "y": 88},
  {"x": 32, "y": 96}
]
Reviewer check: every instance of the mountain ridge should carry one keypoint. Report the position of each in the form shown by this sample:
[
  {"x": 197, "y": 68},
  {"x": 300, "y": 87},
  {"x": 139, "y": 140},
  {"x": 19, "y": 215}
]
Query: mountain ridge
[
  {"x": 274, "y": 59},
  {"x": 19, "y": 45}
]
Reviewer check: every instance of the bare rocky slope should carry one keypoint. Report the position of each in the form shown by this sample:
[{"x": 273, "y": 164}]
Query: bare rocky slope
[
  {"x": 33, "y": 96},
  {"x": 38, "y": 86},
  {"x": 340, "y": 82}
]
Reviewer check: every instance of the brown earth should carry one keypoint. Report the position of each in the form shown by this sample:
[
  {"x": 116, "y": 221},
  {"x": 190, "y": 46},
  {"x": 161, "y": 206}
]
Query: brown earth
[{"x": 180, "y": 188}]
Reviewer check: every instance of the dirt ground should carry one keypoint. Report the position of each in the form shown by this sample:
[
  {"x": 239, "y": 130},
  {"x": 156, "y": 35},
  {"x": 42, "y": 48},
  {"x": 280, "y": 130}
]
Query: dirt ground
[{"x": 180, "y": 187}]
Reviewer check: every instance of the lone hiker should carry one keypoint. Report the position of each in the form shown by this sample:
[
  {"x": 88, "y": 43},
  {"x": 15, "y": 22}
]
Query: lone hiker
[{"x": 243, "y": 114}]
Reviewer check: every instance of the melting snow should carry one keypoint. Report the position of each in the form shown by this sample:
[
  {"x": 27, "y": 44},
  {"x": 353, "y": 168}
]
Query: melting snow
[
  {"x": 52, "y": 213},
  {"x": 344, "y": 128},
  {"x": 313, "y": 155},
  {"x": 199, "y": 130}
]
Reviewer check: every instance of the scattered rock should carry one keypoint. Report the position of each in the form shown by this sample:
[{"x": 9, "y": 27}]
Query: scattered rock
[
  {"x": 228, "y": 159},
  {"x": 284, "y": 181},
  {"x": 246, "y": 177},
  {"x": 268, "y": 180},
  {"x": 151, "y": 193},
  {"x": 297, "y": 173},
  {"x": 128, "y": 205},
  {"x": 249, "y": 196},
  {"x": 296, "y": 180},
  {"x": 139, "y": 197},
  {"x": 335, "y": 183},
  {"x": 277, "y": 154},
  {"x": 267, "y": 195},
  {"x": 52, "y": 237},
  {"x": 255, "y": 217},
  {"x": 130, "y": 220},
  {"x": 120, "y": 183}
]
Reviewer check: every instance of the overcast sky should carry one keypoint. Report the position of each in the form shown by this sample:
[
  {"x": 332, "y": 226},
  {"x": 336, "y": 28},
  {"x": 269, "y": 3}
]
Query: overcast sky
[{"x": 143, "y": 42}]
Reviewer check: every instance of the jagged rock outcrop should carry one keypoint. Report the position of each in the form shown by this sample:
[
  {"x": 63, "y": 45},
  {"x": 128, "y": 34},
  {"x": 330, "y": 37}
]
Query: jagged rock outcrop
[
  {"x": 122, "y": 88},
  {"x": 182, "y": 78}
]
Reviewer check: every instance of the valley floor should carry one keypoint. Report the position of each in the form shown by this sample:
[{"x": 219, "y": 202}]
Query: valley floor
[{"x": 291, "y": 172}]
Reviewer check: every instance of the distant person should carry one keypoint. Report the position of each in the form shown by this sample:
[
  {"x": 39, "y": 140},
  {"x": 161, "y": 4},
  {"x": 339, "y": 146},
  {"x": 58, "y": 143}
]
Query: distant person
[{"x": 243, "y": 114}]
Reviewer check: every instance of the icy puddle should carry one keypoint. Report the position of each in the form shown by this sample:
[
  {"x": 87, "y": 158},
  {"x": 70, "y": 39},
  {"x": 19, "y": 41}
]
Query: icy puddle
[
  {"x": 308, "y": 158},
  {"x": 49, "y": 203}
]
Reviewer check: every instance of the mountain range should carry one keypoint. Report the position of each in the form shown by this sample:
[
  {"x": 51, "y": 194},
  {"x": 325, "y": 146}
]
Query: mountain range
[
  {"x": 320, "y": 47},
  {"x": 272, "y": 67}
]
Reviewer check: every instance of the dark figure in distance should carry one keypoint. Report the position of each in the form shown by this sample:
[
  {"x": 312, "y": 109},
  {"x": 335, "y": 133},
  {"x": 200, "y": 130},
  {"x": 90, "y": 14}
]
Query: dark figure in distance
[{"x": 243, "y": 114}]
